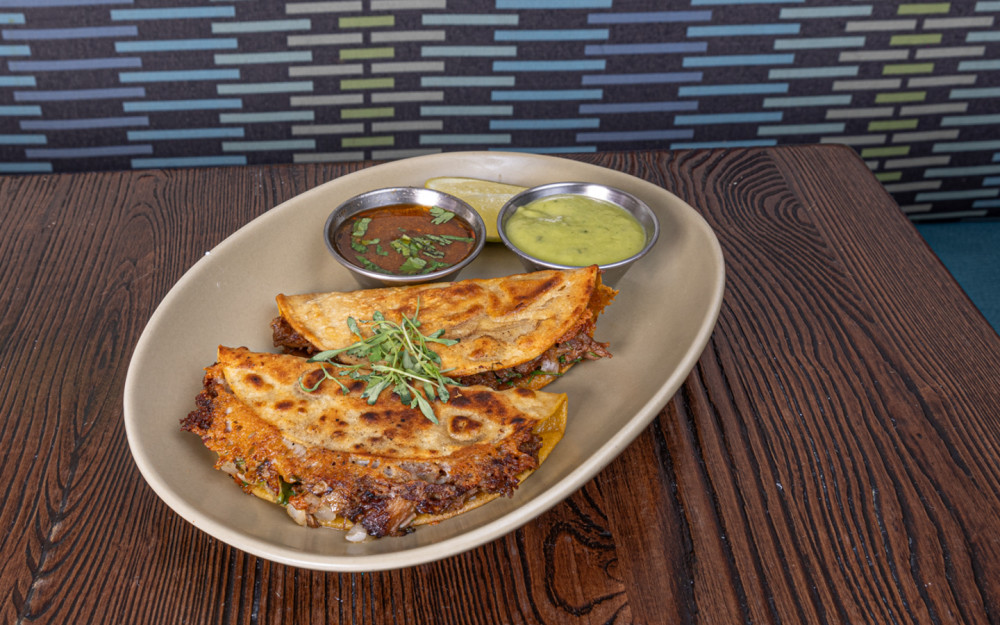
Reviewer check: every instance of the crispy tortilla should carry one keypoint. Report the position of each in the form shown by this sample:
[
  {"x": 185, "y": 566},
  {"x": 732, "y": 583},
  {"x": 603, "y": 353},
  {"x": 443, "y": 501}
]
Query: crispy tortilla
[
  {"x": 332, "y": 459},
  {"x": 522, "y": 330}
]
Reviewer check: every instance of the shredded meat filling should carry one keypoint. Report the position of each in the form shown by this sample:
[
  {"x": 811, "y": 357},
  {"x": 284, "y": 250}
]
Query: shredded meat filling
[
  {"x": 289, "y": 340},
  {"x": 568, "y": 350}
]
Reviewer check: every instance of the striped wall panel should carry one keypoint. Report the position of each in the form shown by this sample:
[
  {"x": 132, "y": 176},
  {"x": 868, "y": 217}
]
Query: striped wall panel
[{"x": 118, "y": 84}]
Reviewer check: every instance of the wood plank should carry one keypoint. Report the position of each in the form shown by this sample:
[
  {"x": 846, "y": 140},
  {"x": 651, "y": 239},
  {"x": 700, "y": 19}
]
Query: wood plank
[{"x": 832, "y": 458}]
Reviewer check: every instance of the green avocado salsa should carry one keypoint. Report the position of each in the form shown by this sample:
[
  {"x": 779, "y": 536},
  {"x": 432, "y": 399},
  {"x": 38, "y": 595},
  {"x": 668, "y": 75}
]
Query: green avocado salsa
[{"x": 575, "y": 230}]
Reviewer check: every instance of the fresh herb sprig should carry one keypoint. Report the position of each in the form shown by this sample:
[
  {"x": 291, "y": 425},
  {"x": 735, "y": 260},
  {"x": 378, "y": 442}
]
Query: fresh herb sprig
[{"x": 397, "y": 356}]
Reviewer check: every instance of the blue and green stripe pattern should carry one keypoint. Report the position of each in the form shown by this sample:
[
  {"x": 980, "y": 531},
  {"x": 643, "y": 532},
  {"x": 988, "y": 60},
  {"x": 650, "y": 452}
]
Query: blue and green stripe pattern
[{"x": 913, "y": 87}]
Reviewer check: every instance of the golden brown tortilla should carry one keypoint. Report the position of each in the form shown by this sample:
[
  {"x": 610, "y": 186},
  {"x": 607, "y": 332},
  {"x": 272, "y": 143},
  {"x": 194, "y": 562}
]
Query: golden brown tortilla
[
  {"x": 501, "y": 323},
  {"x": 335, "y": 460}
]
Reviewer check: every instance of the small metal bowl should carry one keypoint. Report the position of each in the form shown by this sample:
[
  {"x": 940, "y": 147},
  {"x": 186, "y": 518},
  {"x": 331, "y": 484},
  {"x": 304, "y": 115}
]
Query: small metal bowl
[
  {"x": 403, "y": 195},
  {"x": 612, "y": 272}
]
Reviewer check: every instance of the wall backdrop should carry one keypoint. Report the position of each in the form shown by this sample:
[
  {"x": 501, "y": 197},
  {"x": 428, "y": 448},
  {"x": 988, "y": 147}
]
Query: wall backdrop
[{"x": 116, "y": 84}]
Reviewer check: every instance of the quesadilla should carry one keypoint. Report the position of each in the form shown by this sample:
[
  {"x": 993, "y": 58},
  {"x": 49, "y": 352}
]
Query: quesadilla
[
  {"x": 333, "y": 458},
  {"x": 523, "y": 330}
]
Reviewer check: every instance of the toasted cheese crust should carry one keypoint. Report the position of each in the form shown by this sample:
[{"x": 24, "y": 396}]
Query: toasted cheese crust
[
  {"x": 506, "y": 327},
  {"x": 333, "y": 459}
]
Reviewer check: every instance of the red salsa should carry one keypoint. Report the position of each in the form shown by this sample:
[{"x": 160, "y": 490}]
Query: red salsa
[{"x": 404, "y": 239}]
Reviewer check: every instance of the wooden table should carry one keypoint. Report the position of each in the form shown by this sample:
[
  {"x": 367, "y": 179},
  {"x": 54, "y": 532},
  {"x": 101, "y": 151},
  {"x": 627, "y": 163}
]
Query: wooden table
[{"x": 833, "y": 458}]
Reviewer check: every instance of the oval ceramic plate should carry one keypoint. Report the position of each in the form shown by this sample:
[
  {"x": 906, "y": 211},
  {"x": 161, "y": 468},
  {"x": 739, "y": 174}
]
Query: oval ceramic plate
[{"x": 657, "y": 328}]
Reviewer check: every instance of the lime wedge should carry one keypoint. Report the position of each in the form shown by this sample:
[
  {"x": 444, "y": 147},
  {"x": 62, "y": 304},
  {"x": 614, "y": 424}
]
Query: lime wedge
[{"x": 486, "y": 196}]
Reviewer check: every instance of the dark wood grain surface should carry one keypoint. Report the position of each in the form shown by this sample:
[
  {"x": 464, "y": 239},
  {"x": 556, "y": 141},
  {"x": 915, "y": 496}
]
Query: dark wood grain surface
[{"x": 833, "y": 458}]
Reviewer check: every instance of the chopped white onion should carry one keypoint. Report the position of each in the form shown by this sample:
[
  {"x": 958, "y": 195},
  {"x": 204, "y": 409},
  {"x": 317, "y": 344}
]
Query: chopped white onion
[
  {"x": 356, "y": 534},
  {"x": 299, "y": 516}
]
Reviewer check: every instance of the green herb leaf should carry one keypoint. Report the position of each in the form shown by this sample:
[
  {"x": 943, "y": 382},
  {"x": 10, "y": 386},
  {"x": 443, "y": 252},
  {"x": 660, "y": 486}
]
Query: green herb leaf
[
  {"x": 413, "y": 264},
  {"x": 367, "y": 264},
  {"x": 361, "y": 227},
  {"x": 440, "y": 215},
  {"x": 352, "y": 325},
  {"x": 285, "y": 491},
  {"x": 448, "y": 239},
  {"x": 425, "y": 407}
]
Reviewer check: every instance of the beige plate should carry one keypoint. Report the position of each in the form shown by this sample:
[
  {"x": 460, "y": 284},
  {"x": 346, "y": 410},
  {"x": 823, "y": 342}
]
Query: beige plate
[{"x": 657, "y": 328}]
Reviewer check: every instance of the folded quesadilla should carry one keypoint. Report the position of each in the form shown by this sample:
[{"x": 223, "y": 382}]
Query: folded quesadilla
[
  {"x": 522, "y": 330},
  {"x": 334, "y": 459}
]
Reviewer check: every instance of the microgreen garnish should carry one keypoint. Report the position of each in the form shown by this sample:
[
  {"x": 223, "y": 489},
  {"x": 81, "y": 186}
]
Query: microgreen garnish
[{"x": 398, "y": 357}]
